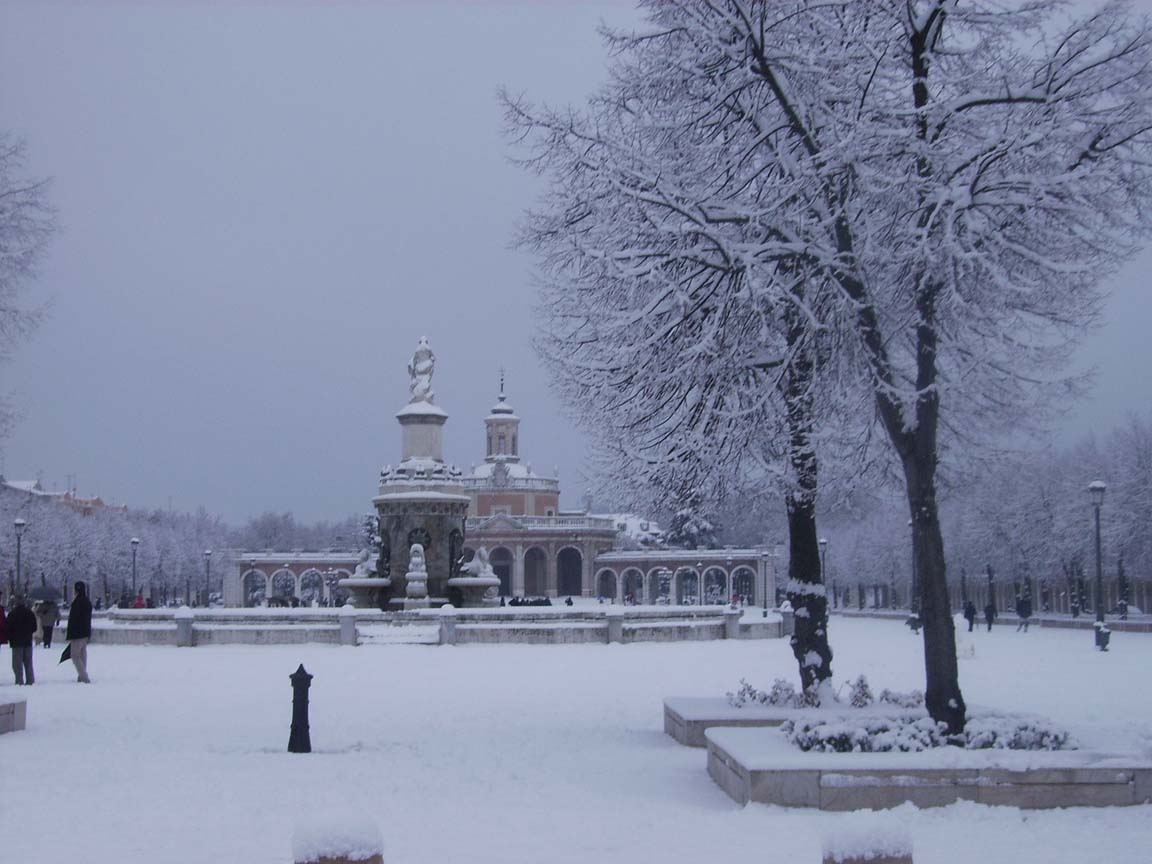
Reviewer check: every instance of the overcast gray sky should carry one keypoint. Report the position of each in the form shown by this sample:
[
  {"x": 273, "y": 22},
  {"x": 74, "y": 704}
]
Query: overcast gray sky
[{"x": 264, "y": 206}]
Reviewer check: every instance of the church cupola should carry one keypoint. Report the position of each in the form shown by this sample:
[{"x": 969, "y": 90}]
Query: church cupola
[{"x": 503, "y": 430}]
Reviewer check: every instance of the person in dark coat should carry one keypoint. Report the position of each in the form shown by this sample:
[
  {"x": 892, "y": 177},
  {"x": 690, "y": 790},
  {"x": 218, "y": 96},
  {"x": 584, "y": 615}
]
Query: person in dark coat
[
  {"x": 80, "y": 631},
  {"x": 1024, "y": 611},
  {"x": 970, "y": 614},
  {"x": 21, "y": 630},
  {"x": 990, "y": 615}
]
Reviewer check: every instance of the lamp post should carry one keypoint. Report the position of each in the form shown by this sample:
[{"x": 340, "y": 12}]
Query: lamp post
[
  {"x": 19, "y": 525},
  {"x": 135, "y": 541},
  {"x": 207, "y": 577},
  {"x": 823, "y": 541},
  {"x": 1096, "y": 490}
]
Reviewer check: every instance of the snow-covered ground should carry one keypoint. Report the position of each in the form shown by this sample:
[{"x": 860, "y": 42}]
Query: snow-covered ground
[{"x": 508, "y": 753}]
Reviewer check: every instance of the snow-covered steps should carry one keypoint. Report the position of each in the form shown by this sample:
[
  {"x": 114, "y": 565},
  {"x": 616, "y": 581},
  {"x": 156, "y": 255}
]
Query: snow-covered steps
[
  {"x": 386, "y": 634},
  {"x": 760, "y": 765}
]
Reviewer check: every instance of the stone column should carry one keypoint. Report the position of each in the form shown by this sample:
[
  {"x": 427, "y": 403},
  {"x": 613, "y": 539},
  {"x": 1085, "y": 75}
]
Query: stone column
[
  {"x": 732, "y": 623},
  {"x": 347, "y": 624},
  {"x": 550, "y": 587},
  {"x": 587, "y": 572},
  {"x": 518, "y": 571}
]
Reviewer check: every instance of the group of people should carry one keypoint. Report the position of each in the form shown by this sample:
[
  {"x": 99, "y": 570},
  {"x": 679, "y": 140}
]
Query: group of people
[
  {"x": 20, "y": 626},
  {"x": 1023, "y": 614}
]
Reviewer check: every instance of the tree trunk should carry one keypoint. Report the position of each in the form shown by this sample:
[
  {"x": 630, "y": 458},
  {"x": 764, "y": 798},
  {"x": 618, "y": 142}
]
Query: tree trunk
[
  {"x": 806, "y": 590},
  {"x": 942, "y": 695}
]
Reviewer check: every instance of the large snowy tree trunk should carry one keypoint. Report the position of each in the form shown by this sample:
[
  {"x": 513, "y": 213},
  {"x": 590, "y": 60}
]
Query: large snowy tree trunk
[
  {"x": 806, "y": 590},
  {"x": 942, "y": 695}
]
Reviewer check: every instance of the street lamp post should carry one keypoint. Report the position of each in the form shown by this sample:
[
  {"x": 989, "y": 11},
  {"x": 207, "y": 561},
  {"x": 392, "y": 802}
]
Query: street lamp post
[
  {"x": 19, "y": 525},
  {"x": 1096, "y": 489},
  {"x": 135, "y": 541},
  {"x": 207, "y": 577},
  {"x": 823, "y": 541}
]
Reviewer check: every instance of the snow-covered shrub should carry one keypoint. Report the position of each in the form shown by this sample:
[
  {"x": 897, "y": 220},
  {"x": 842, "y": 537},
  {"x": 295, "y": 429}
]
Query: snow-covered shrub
[
  {"x": 1005, "y": 733},
  {"x": 860, "y": 694},
  {"x": 911, "y": 734},
  {"x": 911, "y": 699},
  {"x": 782, "y": 694}
]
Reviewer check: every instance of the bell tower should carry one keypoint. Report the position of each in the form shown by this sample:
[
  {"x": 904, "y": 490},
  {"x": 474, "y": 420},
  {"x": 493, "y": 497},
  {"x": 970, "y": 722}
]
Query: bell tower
[{"x": 503, "y": 430}]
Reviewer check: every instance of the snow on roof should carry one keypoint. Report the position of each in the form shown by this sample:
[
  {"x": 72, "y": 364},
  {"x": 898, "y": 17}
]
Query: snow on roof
[{"x": 633, "y": 525}]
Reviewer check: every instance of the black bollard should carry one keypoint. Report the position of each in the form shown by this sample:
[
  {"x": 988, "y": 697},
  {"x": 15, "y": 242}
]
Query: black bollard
[{"x": 299, "y": 740}]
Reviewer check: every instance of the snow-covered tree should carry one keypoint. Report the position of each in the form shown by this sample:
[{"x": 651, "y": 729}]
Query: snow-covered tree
[
  {"x": 943, "y": 184},
  {"x": 27, "y": 223}
]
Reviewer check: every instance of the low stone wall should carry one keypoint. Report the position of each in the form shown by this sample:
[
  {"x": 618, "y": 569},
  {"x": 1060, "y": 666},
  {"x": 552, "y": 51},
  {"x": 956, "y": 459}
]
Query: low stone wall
[
  {"x": 554, "y": 626},
  {"x": 13, "y": 716},
  {"x": 874, "y": 781},
  {"x": 1141, "y": 624}
]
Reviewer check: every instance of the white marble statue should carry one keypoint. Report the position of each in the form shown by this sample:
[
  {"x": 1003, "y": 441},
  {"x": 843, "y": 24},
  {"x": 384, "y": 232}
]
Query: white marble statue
[
  {"x": 420, "y": 369},
  {"x": 364, "y": 570},
  {"x": 479, "y": 565},
  {"x": 417, "y": 576}
]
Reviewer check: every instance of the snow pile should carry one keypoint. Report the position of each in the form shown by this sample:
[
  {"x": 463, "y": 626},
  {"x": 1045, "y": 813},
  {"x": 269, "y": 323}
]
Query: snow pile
[
  {"x": 878, "y": 841},
  {"x": 911, "y": 734},
  {"x": 346, "y": 833}
]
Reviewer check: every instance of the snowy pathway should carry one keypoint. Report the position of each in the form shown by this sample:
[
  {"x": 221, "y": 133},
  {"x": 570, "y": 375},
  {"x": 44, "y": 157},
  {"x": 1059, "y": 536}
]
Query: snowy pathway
[{"x": 519, "y": 753}]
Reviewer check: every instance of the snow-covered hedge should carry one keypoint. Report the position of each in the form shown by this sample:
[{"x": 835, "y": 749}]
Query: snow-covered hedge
[
  {"x": 910, "y": 734},
  {"x": 784, "y": 695}
]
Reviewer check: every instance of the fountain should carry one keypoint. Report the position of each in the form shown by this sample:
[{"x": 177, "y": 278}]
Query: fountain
[
  {"x": 421, "y": 506},
  {"x": 481, "y": 586}
]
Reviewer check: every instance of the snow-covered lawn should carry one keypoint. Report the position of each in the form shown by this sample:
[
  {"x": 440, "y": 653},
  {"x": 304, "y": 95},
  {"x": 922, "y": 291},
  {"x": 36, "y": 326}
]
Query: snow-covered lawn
[{"x": 517, "y": 753}]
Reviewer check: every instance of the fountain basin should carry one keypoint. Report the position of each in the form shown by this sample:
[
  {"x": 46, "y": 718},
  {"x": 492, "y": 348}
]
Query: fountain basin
[
  {"x": 473, "y": 590},
  {"x": 364, "y": 592}
]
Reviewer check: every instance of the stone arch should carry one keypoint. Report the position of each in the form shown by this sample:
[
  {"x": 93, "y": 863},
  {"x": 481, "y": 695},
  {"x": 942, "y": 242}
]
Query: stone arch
[
  {"x": 311, "y": 586},
  {"x": 606, "y": 583},
  {"x": 569, "y": 572},
  {"x": 282, "y": 585},
  {"x": 716, "y": 586},
  {"x": 687, "y": 586},
  {"x": 632, "y": 582},
  {"x": 744, "y": 582},
  {"x": 535, "y": 572},
  {"x": 661, "y": 590},
  {"x": 254, "y": 585},
  {"x": 501, "y": 559}
]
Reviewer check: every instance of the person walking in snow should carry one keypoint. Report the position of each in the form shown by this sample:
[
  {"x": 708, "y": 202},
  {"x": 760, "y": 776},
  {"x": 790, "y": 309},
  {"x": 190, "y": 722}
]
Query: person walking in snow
[
  {"x": 990, "y": 615},
  {"x": 970, "y": 614},
  {"x": 49, "y": 616},
  {"x": 21, "y": 630},
  {"x": 1024, "y": 611},
  {"x": 80, "y": 631}
]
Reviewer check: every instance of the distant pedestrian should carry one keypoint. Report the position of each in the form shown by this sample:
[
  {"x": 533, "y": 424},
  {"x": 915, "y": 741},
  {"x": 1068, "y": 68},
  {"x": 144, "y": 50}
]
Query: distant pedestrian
[
  {"x": 49, "y": 616},
  {"x": 138, "y": 603},
  {"x": 1024, "y": 611},
  {"x": 21, "y": 630},
  {"x": 568, "y": 602},
  {"x": 990, "y": 615},
  {"x": 80, "y": 631},
  {"x": 970, "y": 614}
]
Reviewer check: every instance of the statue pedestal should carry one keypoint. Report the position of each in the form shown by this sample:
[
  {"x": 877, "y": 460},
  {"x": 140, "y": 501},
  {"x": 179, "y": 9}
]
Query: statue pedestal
[{"x": 474, "y": 590}]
